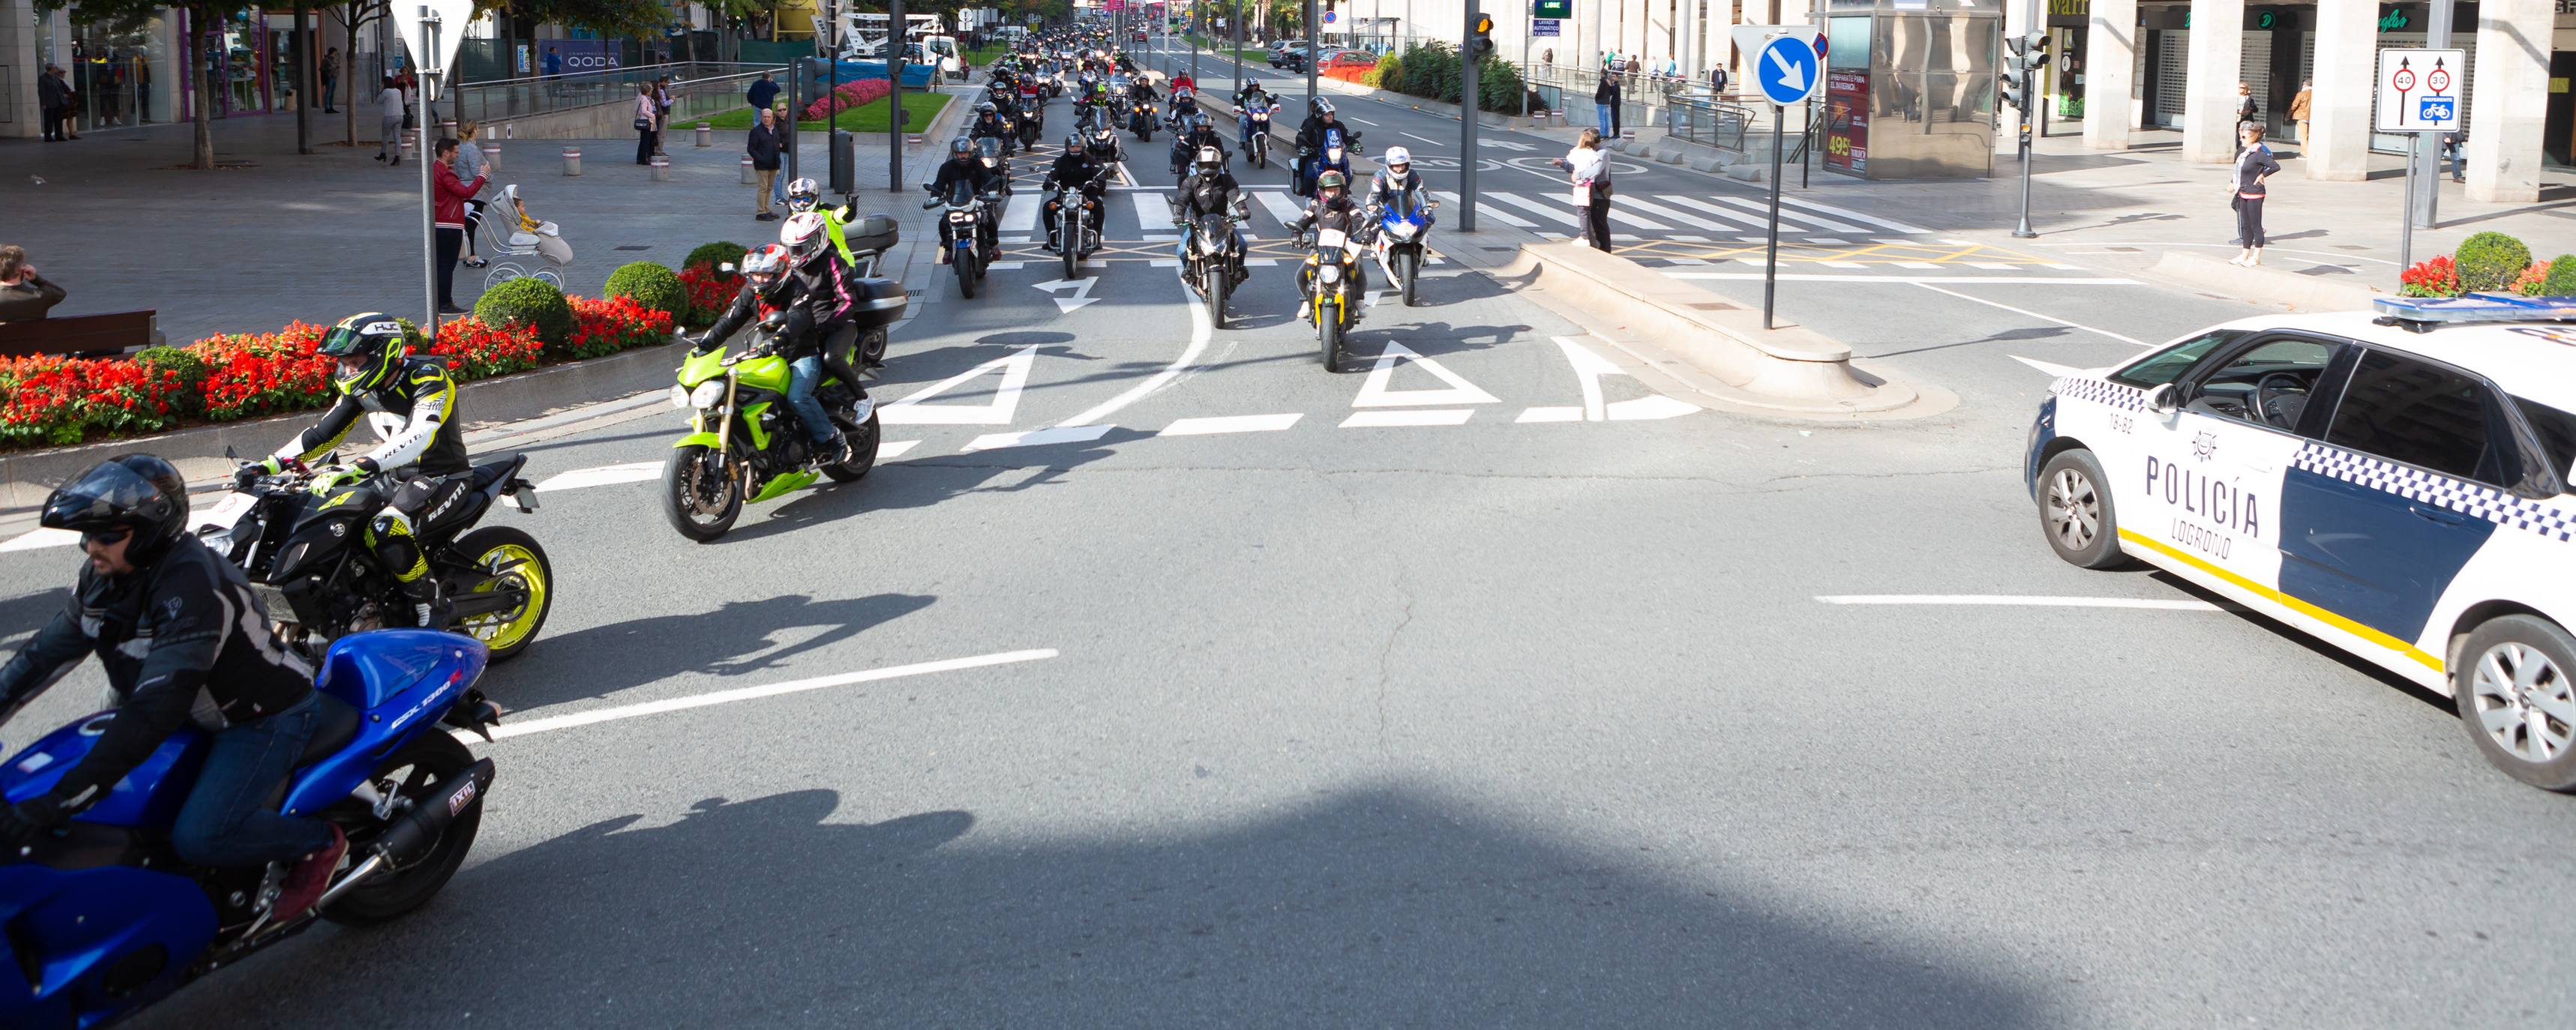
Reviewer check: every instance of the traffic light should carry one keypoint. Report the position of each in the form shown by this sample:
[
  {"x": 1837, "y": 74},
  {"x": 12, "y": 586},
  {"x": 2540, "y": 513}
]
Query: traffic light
[
  {"x": 2009, "y": 91},
  {"x": 2029, "y": 52},
  {"x": 1480, "y": 40}
]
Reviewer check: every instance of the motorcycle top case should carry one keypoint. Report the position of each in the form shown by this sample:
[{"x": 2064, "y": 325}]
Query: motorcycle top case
[
  {"x": 397, "y": 677},
  {"x": 881, "y": 302},
  {"x": 871, "y": 232}
]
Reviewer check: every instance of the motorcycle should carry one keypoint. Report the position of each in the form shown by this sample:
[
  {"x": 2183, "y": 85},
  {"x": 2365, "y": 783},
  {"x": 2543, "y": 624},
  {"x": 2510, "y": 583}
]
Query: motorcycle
[
  {"x": 1077, "y": 224},
  {"x": 1399, "y": 244},
  {"x": 1259, "y": 145},
  {"x": 744, "y": 444},
  {"x": 1140, "y": 119},
  {"x": 995, "y": 153},
  {"x": 961, "y": 229},
  {"x": 104, "y": 918},
  {"x": 1204, "y": 264},
  {"x": 1032, "y": 116},
  {"x": 1335, "y": 256},
  {"x": 306, "y": 556},
  {"x": 1311, "y": 164}
]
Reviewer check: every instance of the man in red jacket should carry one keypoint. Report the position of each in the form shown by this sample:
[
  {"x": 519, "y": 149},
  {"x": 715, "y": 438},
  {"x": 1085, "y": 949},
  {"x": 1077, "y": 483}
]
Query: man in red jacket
[{"x": 447, "y": 212}]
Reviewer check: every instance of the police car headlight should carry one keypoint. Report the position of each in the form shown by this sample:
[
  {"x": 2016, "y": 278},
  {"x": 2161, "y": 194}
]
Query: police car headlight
[
  {"x": 707, "y": 394},
  {"x": 679, "y": 396}
]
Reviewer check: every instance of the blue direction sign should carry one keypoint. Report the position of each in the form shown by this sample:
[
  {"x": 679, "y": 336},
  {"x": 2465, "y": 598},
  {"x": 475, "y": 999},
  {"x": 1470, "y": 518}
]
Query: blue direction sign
[{"x": 1788, "y": 70}]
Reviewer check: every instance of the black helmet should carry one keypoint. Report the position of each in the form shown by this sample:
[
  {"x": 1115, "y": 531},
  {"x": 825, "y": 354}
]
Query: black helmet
[
  {"x": 985, "y": 108},
  {"x": 136, "y": 492},
  {"x": 961, "y": 147},
  {"x": 368, "y": 347}
]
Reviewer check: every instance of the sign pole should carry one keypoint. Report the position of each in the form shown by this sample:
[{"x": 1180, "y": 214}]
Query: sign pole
[
  {"x": 1314, "y": 45},
  {"x": 1235, "y": 16},
  {"x": 428, "y": 212},
  {"x": 2427, "y": 149},
  {"x": 1771, "y": 252},
  {"x": 1467, "y": 96},
  {"x": 2406, "y": 225}
]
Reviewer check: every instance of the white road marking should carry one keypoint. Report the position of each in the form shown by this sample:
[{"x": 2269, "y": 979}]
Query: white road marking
[
  {"x": 632, "y": 472},
  {"x": 1589, "y": 367},
  {"x": 1279, "y": 207},
  {"x": 1201, "y": 330},
  {"x": 1081, "y": 293},
  {"x": 1856, "y": 277},
  {"x": 1492, "y": 211},
  {"x": 2013, "y": 600},
  {"x": 2134, "y": 341},
  {"x": 1788, "y": 215},
  {"x": 1230, "y": 424},
  {"x": 2230, "y": 246},
  {"x": 1153, "y": 210},
  {"x": 1374, "y": 392},
  {"x": 1362, "y": 121},
  {"x": 2050, "y": 369},
  {"x": 1022, "y": 214},
  {"x": 677, "y": 704},
  {"x": 1006, "y": 266},
  {"x": 1558, "y": 212},
  {"x": 1014, "y": 368},
  {"x": 1659, "y": 211},
  {"x": 1038, "y": 437},
  {"x": 1619, "y": 213},
  {"x": 1425, "y": 139},
  {"x": 1551, "y": 414},
  {"x": 40, "y": 538},
  {"x": 1721, "y": 212},
  {"x": 1392, "y": 419},
  {"x": 892, "y": 449},
  {"x": 1884, "y": 223}
]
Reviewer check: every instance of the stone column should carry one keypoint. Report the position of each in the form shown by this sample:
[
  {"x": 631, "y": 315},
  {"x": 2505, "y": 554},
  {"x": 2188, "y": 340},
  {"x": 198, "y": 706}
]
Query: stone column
[
  {"x": 18, "y": 54},
  {"x": 2111, "y": 41},
  {"x": 2509, "y": 100},
  {"x": 2339, "y": 108},
  {"x": 2217, "y": 58}
]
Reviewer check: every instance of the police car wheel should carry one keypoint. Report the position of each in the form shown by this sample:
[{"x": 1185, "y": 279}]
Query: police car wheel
[
  {"x": 2075, "y": 511},
  {"x": 2515, "y": 685}
]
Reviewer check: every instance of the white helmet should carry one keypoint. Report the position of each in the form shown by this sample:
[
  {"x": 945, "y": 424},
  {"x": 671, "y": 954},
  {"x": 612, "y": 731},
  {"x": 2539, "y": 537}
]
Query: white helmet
[
  {"x": 803, "y": 234},
  {"x": 764, "y": 264},
  {"x": 1210, "y": 158},
  {"x": 1397, "y": 158}
]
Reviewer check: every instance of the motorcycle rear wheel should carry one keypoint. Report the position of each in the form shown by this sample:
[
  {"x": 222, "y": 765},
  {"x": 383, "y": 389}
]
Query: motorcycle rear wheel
[
  {"x": 491, "y": 547},
  {"x": 863, "y": 449},
  {"x": 681, "y": 475},
  {"x": 872, "y": 346},
  {"x": 429, "y": 761}
]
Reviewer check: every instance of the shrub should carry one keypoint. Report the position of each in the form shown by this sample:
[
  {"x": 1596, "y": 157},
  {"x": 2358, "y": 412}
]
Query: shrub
[
  {"x": 531, "y": 302},
  {"x": 2561, "y": 280},
  {"x": 1498, "y": 86},
  {"x": 858, "y": 93},
  {"x": 650, "y": 285},
  {"x": 2528, "y": 283},
  {"x": 2434, "y": 278},
  {"x": 709, "y": 255},
  {"x": 256, "y": 374},
  {"x": 710, "y": 292},
  {"x": 2489, "y": 260},
  {"x": 612, "y": 324},
  {"x": 190, "y": 397}
]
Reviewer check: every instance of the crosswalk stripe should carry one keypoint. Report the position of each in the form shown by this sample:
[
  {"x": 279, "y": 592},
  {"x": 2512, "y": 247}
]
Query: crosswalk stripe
[
  {"x": 1713, "y": 209},
  {"x": 1022, "y": 213},
  {"x": 1659, "y": 211},
  {"x": 1280, "y": 207},
  {"x": 1152, "y": 211},
  {"x": 1619, "y": 213},
  {"x": 1787, "y": 215},
  {"x": 1554, "y": 211},
  {"x": 1844, "y": 212},
  {"x": 1490, "y": 211}
]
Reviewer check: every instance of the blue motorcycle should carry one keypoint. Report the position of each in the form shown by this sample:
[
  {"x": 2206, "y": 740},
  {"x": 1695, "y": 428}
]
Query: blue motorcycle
[
  {"x": 1311, "y": 164},
  {"x": 1403, "y": 225},
  {"x": 100, "y": 918}
]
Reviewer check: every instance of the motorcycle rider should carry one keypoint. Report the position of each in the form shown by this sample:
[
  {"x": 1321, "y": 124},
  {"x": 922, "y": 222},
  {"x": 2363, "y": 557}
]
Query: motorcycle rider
[
  {"x": 1252, "y": 98},
  {"x": 1332, "y": 209},
  {"x": 182, "y": 639},
  {"x": 1321, "y": 132},
  {"x": 1195, "y": 135},
  {"x": 412, "y": 405},
  {"x": 964, "y": 165},
  {"x": 1080, "y": 169},
  {"x": 774, "y": 287},
  {"x": 989, "y": 123},
  {"x": 1396, "y": 180},
  {"x": 805, "y": 194},
  {"x": 1211, "y": 190}
]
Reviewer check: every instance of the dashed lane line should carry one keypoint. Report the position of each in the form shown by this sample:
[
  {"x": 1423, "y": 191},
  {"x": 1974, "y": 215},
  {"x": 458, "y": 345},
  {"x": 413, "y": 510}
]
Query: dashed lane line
[
  {"x": 2023, "y": 601},
  {"x": 550, "y": 724},
  {"x": 1211, "y": 426}
]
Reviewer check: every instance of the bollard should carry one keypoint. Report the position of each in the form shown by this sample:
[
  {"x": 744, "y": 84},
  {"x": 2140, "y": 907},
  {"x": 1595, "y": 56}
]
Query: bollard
[
  {"x": 747, "y": 177},
  {"x": 661, "y": 169},
  {"x": 706, "y": 135},
  {"x": 492, "y": 155},
  {"x": 572, "y": 160},
  {"x": 407, "y": 148}
]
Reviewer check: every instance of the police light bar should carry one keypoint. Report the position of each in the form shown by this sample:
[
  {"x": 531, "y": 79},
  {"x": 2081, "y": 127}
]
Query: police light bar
[{"x": 2425, "y": 314}]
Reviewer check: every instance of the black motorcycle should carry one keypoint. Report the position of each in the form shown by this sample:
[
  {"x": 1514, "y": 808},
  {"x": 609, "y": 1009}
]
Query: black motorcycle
[
  {"x": 1141, "y": 118},
  {"x": 307, "y": 557},
  {"x": 1204, "y": 264},
  {"x": 1077, "y": 223}
]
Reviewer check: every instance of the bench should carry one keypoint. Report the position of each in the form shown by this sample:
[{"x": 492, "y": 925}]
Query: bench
[{"x": 88, "y": 336}]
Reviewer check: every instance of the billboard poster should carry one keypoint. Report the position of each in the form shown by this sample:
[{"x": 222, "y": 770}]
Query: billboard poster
[
  {"x": 1847, "y": 120},
  {"x": 589, "y": 55}
]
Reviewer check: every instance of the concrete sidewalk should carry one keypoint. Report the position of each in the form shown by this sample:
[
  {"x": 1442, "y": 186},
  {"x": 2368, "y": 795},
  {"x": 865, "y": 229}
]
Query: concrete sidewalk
[{"x": 284, "y": 236}]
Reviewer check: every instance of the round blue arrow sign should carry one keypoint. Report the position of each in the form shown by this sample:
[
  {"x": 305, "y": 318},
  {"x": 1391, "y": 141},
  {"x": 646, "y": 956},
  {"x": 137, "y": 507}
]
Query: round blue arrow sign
[{"x": 1788, "y": 70}]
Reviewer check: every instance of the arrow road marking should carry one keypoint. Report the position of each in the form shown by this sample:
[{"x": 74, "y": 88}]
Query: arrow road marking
[{"x": 1081, "y": 293}]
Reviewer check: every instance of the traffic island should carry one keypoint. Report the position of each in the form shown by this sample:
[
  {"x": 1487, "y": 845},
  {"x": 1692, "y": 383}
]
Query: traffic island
[{"x": 1789, "y": 370}]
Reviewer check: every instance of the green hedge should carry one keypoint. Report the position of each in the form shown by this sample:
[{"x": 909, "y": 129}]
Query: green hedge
[
  {"x": 190, "y": 369},
  {"x": 531, "y": 302},
  {"x": 712, "y": 254},
  {"x": 650, "y": 285},
  {"x": 2490, "y": 261},
  {"x": 2561, "y": 281}
]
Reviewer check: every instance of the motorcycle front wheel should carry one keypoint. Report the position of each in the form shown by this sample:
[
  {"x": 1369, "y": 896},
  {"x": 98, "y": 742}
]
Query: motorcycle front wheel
[
  {"x": 493, "y": 548},
  {"x": 419, "y": 770},
  {"x": 1214, "y": 285},
  {"x": 965, "y": 263},
  {"x": 1408, "y": 268},
  {"x": 1328, "y": 329},
  {"x": 699, "y": 498},
  {"x": 1069, "y": 240}
]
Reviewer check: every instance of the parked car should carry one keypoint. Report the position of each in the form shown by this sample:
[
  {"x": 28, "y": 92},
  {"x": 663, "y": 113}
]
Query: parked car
[
  {"x": 1288, "y": 54},
  {"x": 1348, "y": 59}
]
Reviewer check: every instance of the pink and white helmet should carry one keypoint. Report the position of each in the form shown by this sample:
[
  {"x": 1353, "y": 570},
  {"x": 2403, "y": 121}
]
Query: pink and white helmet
[{"x": 803, "y": 234}]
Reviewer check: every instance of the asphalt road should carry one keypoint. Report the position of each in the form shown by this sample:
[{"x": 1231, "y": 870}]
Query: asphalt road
[{"x": 1499, "y": 718}]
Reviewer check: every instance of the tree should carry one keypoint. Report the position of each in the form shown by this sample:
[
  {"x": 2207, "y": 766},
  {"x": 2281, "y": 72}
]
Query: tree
[{"x": 352, "y": 15}]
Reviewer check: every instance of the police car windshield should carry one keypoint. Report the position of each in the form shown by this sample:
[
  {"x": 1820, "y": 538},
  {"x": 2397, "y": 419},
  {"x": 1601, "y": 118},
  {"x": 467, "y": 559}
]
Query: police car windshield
[{"x": 2169, "y": 364}]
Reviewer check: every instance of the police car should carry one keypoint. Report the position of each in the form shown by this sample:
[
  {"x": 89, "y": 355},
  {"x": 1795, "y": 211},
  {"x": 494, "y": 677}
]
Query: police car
[{"x": 2395, "y": 483}]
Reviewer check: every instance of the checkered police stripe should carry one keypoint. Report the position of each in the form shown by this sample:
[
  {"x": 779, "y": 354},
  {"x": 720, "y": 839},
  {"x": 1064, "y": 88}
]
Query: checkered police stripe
[
  {"x": 2414, "y": 484},
  {"x": 2100, "y": 392}
]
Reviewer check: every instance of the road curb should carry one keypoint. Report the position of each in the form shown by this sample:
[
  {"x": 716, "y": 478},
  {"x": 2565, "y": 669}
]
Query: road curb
[
  {"x": 1791, "y": 369},
  {"x": 2261, "y": 285},
  {"x": 27, "y": 477}
]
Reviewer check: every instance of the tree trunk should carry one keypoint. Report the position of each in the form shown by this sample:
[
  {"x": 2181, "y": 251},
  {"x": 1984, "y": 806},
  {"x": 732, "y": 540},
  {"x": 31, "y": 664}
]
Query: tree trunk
[
  {"x": 349, "y": 74},
  {"x": 202, "y": 115}
]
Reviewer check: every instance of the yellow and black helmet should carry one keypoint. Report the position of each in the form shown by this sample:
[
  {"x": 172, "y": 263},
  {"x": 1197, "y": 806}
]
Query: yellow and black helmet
[{"x": 367, "y": 348}]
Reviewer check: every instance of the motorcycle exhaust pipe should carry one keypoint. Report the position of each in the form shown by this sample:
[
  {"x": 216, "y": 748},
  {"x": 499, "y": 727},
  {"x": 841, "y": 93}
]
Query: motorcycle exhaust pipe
[{"x": 410, "y": 836}]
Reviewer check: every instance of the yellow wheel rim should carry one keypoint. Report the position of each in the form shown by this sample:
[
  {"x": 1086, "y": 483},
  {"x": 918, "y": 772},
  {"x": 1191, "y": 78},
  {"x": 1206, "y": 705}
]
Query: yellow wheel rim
[{"x": 498, "y": 632}]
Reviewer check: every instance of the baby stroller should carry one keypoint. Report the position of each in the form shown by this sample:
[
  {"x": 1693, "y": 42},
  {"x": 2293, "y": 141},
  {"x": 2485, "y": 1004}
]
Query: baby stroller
[{"x": 514, "y": 240}]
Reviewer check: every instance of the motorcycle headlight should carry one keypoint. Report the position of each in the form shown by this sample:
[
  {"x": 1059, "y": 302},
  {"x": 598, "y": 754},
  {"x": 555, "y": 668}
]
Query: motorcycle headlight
[
  {"x": 1211, "y": 245},
  {"x": 679, "y": 396},
  {"x": 1401, "y": 230},
  {"x": 707, "y": 394},
  {"x": 1329, "y": 274}
]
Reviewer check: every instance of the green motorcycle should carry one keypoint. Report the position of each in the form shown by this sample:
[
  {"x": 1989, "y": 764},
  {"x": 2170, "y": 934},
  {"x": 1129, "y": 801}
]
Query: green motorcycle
[{"x": 745, "y": 444}]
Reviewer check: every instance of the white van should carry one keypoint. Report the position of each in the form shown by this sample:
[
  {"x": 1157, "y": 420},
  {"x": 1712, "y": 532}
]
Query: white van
[{"x": 944, "y": 49}]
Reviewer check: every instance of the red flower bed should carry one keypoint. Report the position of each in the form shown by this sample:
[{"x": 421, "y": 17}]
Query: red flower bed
[
  {"x": 2434, "y": 278},
  {"x": 851, "y": 94},
  {"x": 258, "y": 374},
  {"x": 710, "y": 292},
  {"x": 611, "y": 324},
  {"x": 474, "y": 350},
  {"x": 55, "y": 400}
]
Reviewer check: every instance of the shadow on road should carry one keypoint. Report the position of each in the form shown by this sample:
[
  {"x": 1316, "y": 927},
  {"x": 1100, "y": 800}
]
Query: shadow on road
[
  {"x": 732, "y": 640},
  {"x": 1378, "y": 907}
]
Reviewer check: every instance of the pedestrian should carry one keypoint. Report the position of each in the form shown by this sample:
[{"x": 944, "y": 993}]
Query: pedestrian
[
  {"x": 1605, "y": 102},
  {"x": 51, "y": 98},
  {"x": 554, "y": 71},
  {"x": 648, "y": 116},
  {"x": 785, "y": 126},
  {"x": 1717, "y": 80},
  {"x": 331, "y": 81},
  {"x": 1589, "y": 171},
  {"x": 2245, "y": 192},
  {"x": 447, "y": 216},
  {"x": 661, "y": 111},
  {"x": 2453, "y": 143},
  {"x": 389, "y": 121},
  {"x": 2245, "y": 106},
  {"x": 1633, "y": 67},
  {"x": 410, "y": 99},
  {"x": 763, "y": 148},
  {"x": 2299, "y": 107},
  {"x": 762, "y": 92},
  {"x": 471, "y": 166},
  {"x": 24, "y": 295},
  {"x": 71, "y": 103},
  {"x": 1547, "y": 59}
]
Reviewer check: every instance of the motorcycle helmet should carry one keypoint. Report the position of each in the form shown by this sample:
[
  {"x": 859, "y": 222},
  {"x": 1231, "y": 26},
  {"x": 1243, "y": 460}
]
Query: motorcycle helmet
[
  {"x": 1072, "y": 142},
  {"x": 764, "y": 265},
  {"x": 961, "y": 148},
  {"x": 1210, "y": 159},
  {"x": 1397, "y": 160},
  {"x": 987, "y": 108},
  {"x": 804, "y": 194},
  {"x": 366, "y": 347},
  {"x": 804, "y": 235},
  {"x": 136, "y": 493},
  {"x": 1323, "y": 106},
  {"x": 1330, "y": 180}
]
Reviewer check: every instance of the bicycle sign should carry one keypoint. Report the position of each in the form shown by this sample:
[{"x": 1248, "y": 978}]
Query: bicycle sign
[{"x": 2417, "y": 90}]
